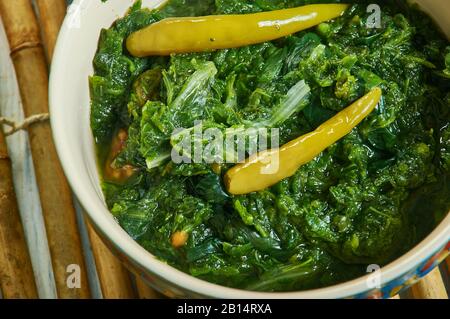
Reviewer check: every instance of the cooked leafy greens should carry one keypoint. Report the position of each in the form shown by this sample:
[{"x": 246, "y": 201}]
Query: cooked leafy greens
[{"x": 366, "y": 199}]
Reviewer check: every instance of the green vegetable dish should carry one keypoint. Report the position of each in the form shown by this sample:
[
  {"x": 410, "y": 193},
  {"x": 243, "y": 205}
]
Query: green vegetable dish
[{"x": 366, "y": 199}]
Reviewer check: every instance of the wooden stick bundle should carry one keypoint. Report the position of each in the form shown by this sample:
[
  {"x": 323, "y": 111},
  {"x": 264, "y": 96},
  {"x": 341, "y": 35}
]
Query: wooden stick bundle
[
  {"x": 114, "y": 278},
  {"x": 16, "y": 273},
  {"x": 59, "y": 214}
]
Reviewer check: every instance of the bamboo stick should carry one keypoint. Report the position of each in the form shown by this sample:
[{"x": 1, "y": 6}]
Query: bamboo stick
[
  {"x": 51, "y": 16},
  {"x": 429, "y": 287},
  {"x": 448, "y": 264},
  {"x": 16, "y": 272},
  {"x": 145, "y": 292},
  {"x": 59, "y": 214},
  {"x": 114, "y": 278}
]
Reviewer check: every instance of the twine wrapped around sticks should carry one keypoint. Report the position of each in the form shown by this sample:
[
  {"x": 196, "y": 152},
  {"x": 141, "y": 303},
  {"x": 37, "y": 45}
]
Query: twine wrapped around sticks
[{"x": 16, "y": 127}]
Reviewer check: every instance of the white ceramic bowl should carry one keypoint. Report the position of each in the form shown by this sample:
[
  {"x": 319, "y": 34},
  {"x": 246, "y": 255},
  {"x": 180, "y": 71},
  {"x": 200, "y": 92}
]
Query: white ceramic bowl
[{"x": 69, "y": 105}]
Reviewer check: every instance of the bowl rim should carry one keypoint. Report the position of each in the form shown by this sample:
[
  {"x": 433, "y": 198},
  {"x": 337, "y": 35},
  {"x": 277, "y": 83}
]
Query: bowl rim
[{"x": 104, "y": 222}]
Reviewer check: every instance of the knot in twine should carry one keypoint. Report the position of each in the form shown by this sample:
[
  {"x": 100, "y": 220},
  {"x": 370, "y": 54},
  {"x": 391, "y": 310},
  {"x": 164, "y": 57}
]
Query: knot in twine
[{"x": 16, "y": 127}]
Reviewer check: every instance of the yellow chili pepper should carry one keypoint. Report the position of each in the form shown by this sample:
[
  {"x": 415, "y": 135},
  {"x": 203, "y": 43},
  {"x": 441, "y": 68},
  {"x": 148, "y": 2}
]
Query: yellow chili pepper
[
  {"x": 267, "y": 168},
  {"x": 197, "y": 34}
]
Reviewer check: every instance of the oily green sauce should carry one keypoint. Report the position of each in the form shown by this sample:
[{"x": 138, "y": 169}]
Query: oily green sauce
[{"x": 365, "y": 200}]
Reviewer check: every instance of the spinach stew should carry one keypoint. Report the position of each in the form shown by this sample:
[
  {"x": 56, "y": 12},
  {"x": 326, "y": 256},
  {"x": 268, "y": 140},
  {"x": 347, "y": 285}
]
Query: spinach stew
[{"x": 366, "y": 199}]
